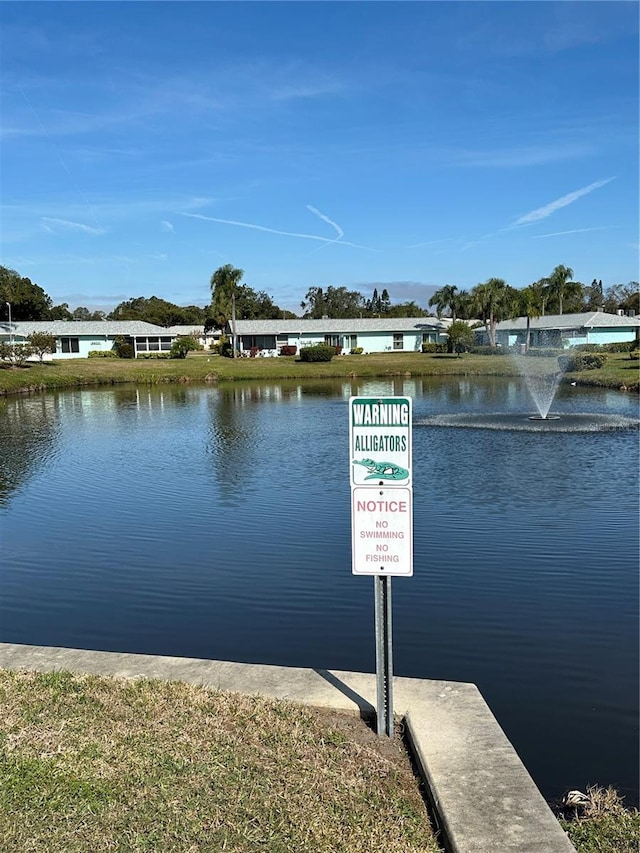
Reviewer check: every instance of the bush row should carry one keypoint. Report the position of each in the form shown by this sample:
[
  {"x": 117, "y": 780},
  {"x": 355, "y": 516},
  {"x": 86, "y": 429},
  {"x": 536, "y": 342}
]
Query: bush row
[
  {"x": 487, "y": 350},
  {"x": 619, "y": 346},
  {"x": 581, "y": 361},
  {"x": 544, "y": 352}
]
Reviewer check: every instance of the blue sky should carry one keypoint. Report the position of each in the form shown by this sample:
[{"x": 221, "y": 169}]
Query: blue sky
[{"x": 398, "y": 145}]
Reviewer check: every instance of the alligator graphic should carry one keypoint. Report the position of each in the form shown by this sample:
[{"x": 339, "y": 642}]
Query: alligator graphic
[{"x": 382, "y": 470}]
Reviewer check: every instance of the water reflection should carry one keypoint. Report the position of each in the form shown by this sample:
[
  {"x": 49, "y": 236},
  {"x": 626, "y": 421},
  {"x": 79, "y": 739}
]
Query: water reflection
[{"x": 29, "y": 429}]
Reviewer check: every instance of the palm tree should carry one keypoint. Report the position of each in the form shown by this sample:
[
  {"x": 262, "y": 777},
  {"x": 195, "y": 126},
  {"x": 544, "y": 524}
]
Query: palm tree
[
  {"x": 444, "y": 298},
  {"x": 561, "y": 287},
  {"x": 462, "y": 305},
  {"x": 493, "y": 301},
  {"x": 529, "y": 304},
  {"x": 540, "y": 293},
  {"x": 224, "y": 285}
]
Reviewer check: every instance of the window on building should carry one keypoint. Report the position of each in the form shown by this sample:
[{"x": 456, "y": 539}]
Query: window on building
[
  {"x": 398, "y": 341},
  {"x": 70, "y": 344},
  {"x": 428, "y": 338},
  {"x": 153, "y": 344},
  {"x": 333, "y": 340},
  {"x": 351, "y": 341}
]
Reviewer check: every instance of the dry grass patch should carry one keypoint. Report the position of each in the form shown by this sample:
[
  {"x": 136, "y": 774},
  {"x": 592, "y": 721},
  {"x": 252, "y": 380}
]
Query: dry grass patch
[
  {"x": 603, "y": 824},
  {"x": 99, "y": 764}
]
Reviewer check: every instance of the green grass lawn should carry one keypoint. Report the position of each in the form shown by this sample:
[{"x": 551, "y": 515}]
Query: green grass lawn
[
  {"x": 94, "y": 764},
  {"x": 618, "y": 371}
]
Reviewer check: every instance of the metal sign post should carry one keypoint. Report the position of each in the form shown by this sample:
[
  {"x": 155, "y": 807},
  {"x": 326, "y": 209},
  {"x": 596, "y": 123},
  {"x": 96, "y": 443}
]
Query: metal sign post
[
  {"x": 384, "y": 656},
  {"x": 381, "y": 519}
]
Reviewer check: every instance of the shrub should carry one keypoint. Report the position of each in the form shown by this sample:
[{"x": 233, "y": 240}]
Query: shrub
[
  {"x": 544, "y": 352},
  {"x": 183, "y": 345},
  {"x": 581, "y": 361},
  {"x": 635, "y": 354},
  {"x": 154, "y": 355},
  {"x": 16, "y": 354},
  {"x": 42, "y": 343},
  {"x": 617, "y": 346},
  {"x": 320, "y": 352},
  {"x": 620, "y": 346},
  {"x": 338, "y": 349},
  {"x": 102, "y": 353},
  {"x": 226, "y": 349},
  {"x": 288, "y": 349},
  {"x": 431, "y": 348},
  {"x": 21, "y": 353},
  {"x": 356, "y": 351},
  {"x": 487, "y": 350},
  {"x": 123, "y": 348},
  {"x": 253, "y": 352}
]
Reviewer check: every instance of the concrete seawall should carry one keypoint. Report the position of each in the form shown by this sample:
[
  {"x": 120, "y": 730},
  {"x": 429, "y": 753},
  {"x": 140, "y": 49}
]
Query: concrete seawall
[{"x": 483, "y": 798}]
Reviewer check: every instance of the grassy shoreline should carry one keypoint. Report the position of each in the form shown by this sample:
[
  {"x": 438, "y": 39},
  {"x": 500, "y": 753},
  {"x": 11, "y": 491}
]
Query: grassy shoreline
[
  {"x": 102, "y": 763},
  {"x": 619, "y": 371},
  {"x": 94, "y": 763}
]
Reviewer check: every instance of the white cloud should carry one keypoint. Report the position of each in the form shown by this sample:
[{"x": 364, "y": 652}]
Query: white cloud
[
  {"x": 542, "y": 212},
  {"x": 516, "y": 157},
  {"x": 167, "y": 226},
  {"x": 52, "y": 225}
]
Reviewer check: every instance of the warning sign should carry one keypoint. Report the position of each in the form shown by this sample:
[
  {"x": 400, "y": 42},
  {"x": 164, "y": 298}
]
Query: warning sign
[{"x": 380, "y": 440}]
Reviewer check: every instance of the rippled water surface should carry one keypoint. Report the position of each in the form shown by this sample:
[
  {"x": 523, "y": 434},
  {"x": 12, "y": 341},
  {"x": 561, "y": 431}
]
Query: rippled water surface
[{"x": 214, "y": 522}]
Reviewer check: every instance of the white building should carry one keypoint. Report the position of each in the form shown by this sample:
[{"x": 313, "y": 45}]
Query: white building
[{"x": 382, "y": 334}]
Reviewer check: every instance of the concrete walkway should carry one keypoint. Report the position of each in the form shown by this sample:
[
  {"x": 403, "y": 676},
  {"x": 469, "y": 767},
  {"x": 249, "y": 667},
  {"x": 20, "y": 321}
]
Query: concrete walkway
[{"x": 483, "y": 797}]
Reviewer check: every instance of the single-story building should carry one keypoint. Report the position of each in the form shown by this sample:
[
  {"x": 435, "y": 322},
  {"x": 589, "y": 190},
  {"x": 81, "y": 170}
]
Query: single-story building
[
  {"x": 77, "y": 338},
  {"x": 566, "y": 330},
  {"x": 380, "y": 334}
]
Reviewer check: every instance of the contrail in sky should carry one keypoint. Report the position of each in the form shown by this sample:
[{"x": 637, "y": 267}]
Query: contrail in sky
[
  {"x": 563, "y": 201},
  {"x": 333, "y": 224},
  {"x": 272, "y": 230},
  {"x": 573, "y": 231},
  {"x": 324, "y": 218}
]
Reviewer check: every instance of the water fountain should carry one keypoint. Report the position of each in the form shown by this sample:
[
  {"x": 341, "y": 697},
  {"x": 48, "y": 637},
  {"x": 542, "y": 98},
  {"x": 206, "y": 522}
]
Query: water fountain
[{"x": 542, "y": 386}]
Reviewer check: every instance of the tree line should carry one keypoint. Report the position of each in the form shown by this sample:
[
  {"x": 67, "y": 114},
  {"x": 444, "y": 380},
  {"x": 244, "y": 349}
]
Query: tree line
[
  {"x": 489, "y": 302},
  {"x": 495, "y": 300}
]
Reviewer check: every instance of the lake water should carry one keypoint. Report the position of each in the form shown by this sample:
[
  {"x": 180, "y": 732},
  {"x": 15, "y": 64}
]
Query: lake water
[{"x": 214, "y": 522}]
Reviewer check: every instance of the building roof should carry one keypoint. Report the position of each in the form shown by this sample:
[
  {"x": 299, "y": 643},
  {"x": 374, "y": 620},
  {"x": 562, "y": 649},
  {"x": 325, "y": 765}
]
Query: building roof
[
  {"x": 360, "y": 324},
  {"x": 82, "y": 328},
  {"x": 188, "y": 329},
  {"x": 589, "y": 319}
]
